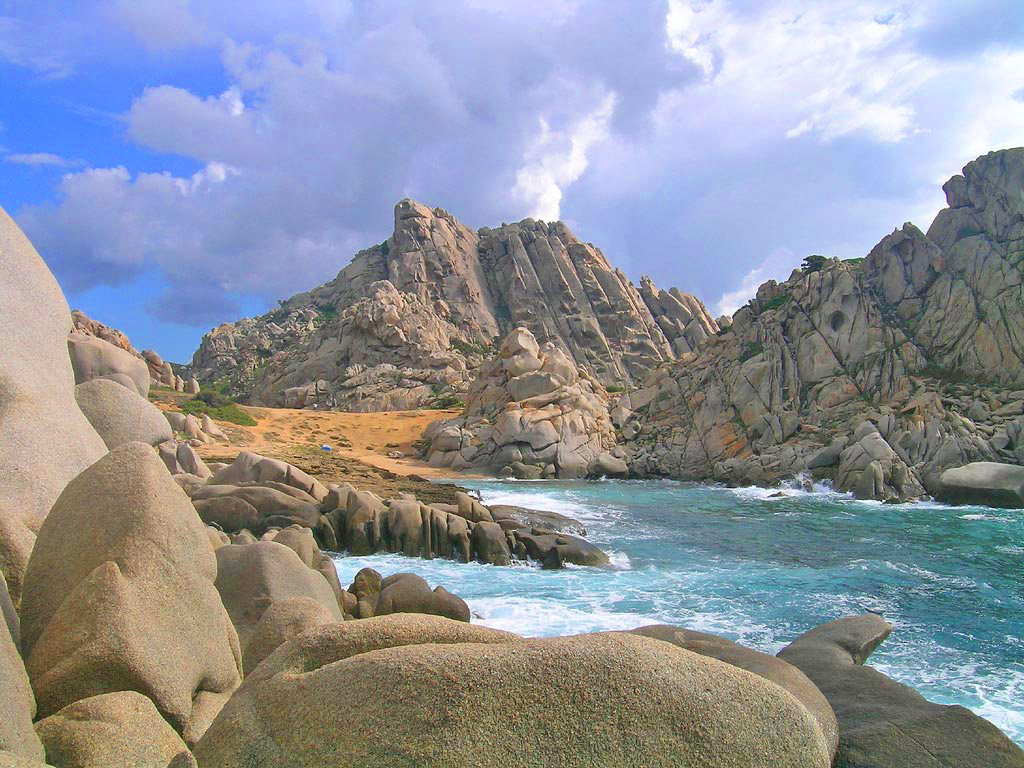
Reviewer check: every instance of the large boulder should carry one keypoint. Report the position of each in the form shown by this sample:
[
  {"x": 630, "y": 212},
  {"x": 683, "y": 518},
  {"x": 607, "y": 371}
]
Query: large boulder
[
  {"x": 252, "y": 577},
  {"x": 253, "y": 468},
  {"x": 409, "y": 593},
  {"x": 113, "y": 730},
  {"x": 282, "y": 621},
  {"x": 120, "y": 415},
  {"x": 485, "y": 699},
  {"x": 46, "y": 439},
  {"x": 882, "y": 722},
  {"x": 763, "y": 665},
  {"x": 9, "y": 614},
  {"x": 119, "y": 595},
  {"x": 94, "y": 358},
  {"x": 984, "y": 482},
  {"x": 17, "y": 704}
]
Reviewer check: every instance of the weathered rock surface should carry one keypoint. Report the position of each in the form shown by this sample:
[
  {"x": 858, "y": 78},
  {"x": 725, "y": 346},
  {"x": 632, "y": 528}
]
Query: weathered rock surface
[
  {"x": 119, "y": 415},
  {"x": 882, "y": 722},
  {"x": 128, "y": 601},
  {"x": 94, "y": 358},
  {"x": 281, "y": 621},
  {"x": 528, "y": 409},
  {"x": 17, "y": 704},
  {"x": 763, "y": 665},
  {"x": 113, "y": 730},
  {"x": 982, "y": 482},
  {"x": 606, "y": 700},
  {"x": 252, "y": 577},
  {"x": 46, "y": 439},
  {"x": 876, "y": 374},
  {"x": 401, "y": 325}
]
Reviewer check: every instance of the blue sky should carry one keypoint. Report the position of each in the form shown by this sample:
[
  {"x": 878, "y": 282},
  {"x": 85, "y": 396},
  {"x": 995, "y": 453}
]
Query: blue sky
[{"x": 181, "y": 164}]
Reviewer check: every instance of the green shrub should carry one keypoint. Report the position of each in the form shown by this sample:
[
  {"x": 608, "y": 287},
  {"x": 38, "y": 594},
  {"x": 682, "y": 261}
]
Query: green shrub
[
  {"x": 752, "y": 349},
  {"x": 216, "y": 406},
  {"x": 813, "y": 263},
  {"x": 446, "y": 402},
  {"x": 468, "y": 348},
  {"x": 614, "y": 389},
  {"x": 780, "y": 300}
]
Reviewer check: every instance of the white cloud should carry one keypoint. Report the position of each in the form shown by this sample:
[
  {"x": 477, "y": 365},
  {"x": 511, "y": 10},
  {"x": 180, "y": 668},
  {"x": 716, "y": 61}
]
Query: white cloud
[
  {"x": 40, "y": 159},
  {"x": 555, "y": 159},
  {"x": 160, "y": 24},
  {"x": 778, "y": 265}
]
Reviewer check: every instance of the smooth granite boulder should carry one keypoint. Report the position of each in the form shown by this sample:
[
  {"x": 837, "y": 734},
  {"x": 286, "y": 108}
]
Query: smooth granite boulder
[
  {"x": 119, "y": 415},
  {"x": 119, "y": 595},
  {"x": 46, "y": 439},
  {"x": 94, "y": 358},
  {"x": 409, "y": 593},
  {"x": 984, "y": 482},
  {"x": 113, "y": 730},
  {"x": 282, "y": 621},
  {"x": 763, "y": 665},
  {"x": 17, "y": 704},
  {"x": 487, "y": 699},
  {"x": 884, "y": 723},
  {"x": 252, "y": 577}
]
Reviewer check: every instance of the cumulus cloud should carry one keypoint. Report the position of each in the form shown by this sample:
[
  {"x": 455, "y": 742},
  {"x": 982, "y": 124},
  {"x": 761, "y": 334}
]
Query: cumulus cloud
[{"x": 687, "y": 138}]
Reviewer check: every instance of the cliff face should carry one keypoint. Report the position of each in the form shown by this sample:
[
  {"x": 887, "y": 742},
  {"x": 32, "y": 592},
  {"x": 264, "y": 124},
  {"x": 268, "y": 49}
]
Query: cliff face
[
  {"x": 400, "y": 325},
  {"x": 877, "y": 373}
]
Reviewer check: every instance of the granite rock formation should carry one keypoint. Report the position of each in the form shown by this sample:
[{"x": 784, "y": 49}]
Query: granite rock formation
[
  {"x": 401, "y": 325},
  {"x": 877, "y": 373},
  {"x": 530, "y": 413}
]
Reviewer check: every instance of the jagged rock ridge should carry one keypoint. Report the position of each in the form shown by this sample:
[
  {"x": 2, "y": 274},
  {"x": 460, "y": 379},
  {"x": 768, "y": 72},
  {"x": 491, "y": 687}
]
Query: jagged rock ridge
[
  {"x": 401, "y": 325},
  {"x": 878, "y": 373}
]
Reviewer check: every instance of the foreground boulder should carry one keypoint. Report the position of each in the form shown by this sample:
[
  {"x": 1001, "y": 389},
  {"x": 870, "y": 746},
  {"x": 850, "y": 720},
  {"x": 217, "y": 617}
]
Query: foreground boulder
[
  {"x": 119, "y": 415},
  {"x": 763, "y": 665},
  {"x": 119, "y": 595},
  {"x": 17, "y": 704},
  {"x": 252, "y": 577},
  {"x": 884, "y": 723},
  {"x": 46, "y": 439},
  {"x": 590, "y": 700},
  {"x": 985, "y": 483},
  {"x": 114, "y": 730},
  {"x": 282, "y": 621}
]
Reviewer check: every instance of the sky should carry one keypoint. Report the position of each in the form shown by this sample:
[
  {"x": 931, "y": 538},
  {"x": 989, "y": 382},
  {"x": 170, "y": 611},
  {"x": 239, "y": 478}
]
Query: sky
[{"x": 182, "y": 164}]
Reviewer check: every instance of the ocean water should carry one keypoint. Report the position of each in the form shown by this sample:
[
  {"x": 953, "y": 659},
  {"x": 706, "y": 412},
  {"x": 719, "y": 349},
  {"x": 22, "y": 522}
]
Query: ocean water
[{"x": 761, "y": 570}]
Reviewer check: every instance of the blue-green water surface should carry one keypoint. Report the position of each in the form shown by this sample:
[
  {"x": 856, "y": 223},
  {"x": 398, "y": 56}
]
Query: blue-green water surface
[{"x": 761, "y": 570}]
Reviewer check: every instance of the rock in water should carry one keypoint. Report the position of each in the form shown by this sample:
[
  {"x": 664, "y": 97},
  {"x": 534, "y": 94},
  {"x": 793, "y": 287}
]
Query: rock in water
[
  {"x": 589, "y": 700},
  {"x": 113, "y": 730},
  {"x": 46, "y": 439},
  {"x": 128, "y": 602},
  {"x": 984, "y": 482},
  {"x": 120, "y": 415},
  {"x": 884, "y": 723}
]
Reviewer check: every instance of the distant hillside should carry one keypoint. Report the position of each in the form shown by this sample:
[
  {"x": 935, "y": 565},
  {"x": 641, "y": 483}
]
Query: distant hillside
[{"x": 401, "y": 326}]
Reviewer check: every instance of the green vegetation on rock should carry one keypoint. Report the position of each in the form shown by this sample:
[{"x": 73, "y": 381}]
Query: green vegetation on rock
[{"x": 217, "y": 407}]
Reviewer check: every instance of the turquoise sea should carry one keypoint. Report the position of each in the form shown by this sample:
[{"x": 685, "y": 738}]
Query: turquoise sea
[{"x": 761, "y": 570}]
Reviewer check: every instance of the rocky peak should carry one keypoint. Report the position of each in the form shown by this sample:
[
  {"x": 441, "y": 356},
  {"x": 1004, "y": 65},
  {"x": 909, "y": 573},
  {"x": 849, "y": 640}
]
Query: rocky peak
[{"x": 463, "y": 290}]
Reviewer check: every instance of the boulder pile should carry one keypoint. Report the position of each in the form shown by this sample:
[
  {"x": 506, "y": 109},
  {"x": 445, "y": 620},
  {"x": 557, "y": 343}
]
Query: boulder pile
[
  {"x": 531, "y": 413},
  {"x": 255, "y": 494}
]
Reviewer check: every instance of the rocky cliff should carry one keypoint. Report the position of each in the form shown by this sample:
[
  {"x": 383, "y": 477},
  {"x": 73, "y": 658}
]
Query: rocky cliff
[
  {"x": 877, "y": 373},
  {"x": 403, "y": 323}
]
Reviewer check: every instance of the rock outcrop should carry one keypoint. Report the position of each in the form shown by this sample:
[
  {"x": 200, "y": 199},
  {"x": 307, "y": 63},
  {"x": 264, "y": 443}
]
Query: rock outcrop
[
  {"x": 158, "y": 372},
  {"x": 877, "y": 374},
  {"x": 474, "y": 699},
  {"x": 882, "y": 722},
  {"x": 987, "y": 483},
  {"x": 45, "y": 440},
  {"x": 128, "y": 601},
  {"x": 529, "y": 413},
  {"x": 402, "y": 324}
]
